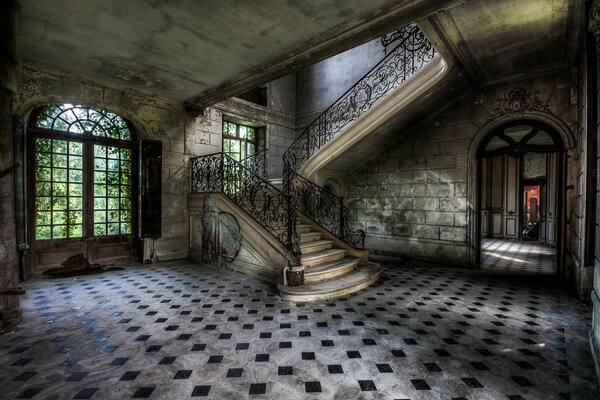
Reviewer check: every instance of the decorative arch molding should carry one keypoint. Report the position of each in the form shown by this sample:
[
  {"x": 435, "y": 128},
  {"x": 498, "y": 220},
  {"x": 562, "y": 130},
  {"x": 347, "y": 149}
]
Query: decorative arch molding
[
  {"x": 23, "y": 112},
  {"x": 568, "y": 141}
]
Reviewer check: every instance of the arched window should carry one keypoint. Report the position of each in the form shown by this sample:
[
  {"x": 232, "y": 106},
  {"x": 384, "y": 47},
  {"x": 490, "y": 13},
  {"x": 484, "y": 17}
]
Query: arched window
[
  {"x": 83, "y": 181},
  {"x": 519, "y": 137}
]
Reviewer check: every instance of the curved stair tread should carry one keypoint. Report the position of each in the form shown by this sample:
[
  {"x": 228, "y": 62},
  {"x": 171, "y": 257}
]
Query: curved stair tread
[
  {"x": 340, "y": 285},
  {"x": 307, "y": 246},
  {"x": 309, "y": 236},
  {"x": 311, "y": 257},
  {"x": 331, "y": 267}
]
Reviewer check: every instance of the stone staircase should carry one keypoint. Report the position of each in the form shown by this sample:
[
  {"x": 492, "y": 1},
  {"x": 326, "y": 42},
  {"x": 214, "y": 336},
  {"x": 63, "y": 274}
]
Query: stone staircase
[{"x": 329, "y": 268}]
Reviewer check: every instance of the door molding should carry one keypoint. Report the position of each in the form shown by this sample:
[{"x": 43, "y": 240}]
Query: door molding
[{"x": 474, "y": 177}]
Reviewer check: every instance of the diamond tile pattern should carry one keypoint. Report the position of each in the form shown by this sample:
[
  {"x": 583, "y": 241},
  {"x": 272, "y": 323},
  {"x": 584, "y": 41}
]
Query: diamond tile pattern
[{"x": 422, "y": 332}]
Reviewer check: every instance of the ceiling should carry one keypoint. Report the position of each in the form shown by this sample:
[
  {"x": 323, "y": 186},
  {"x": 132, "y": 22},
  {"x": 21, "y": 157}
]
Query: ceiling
[
  {"x": 493, "y": 41},
  {"x": 503, "y": 39},
  {"x": 184, "y": 48}
]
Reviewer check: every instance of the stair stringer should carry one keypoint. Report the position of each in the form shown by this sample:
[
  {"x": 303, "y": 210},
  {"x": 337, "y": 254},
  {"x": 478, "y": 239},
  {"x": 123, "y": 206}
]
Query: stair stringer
[
  {"x": 419, "y": 84},
  {"x": 260, "y": 254}
]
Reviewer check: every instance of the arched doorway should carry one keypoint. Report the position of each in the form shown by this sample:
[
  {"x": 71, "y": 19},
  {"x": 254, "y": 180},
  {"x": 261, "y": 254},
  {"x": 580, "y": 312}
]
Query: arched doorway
[
  {"x": 82, "y": 187},
  {"x": 520, "y": 198}
]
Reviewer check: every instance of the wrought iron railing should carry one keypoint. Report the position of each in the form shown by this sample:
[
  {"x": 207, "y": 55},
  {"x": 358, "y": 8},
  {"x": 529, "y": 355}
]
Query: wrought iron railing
[
  {"x": 266, "y": 204},
  {"x": 413, "y": 52},
  {"x": 326, "y": 208},
  {"x": 258, "y": 162}
]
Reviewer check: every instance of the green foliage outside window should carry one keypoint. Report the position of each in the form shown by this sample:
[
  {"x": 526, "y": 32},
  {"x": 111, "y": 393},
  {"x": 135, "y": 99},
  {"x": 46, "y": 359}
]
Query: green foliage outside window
[{"x": 60, "y": 175}]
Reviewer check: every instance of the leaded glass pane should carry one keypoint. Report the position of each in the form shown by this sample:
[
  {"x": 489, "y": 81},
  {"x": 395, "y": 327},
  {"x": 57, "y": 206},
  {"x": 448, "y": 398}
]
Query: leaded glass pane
[
  {"x": 59, "y": 175},
  {"x": 112, "y": 190},
  {"x": 80, "y": 119},
  {"x": 58, "y": 189}
]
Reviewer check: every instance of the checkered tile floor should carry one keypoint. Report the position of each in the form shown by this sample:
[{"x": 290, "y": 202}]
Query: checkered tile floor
[
  {"x": 182, "y": 330},
  {"x": 515, "y": 256}
]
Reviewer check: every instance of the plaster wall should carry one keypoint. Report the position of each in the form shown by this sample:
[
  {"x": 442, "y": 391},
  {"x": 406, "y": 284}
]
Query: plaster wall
[
  {"x": 163, "y": 119},
  {"x": 412, "y": 198}
]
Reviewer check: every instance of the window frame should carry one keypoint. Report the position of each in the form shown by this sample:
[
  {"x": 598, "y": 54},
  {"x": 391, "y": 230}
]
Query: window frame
[
  {"x": 254, "y": 141},
  {"x": 88, "y": 140}
]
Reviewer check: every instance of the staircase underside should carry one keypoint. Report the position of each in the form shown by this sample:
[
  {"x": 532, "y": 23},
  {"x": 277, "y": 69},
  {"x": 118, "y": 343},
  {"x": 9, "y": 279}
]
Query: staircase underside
[{"x": 422, "y": 95}]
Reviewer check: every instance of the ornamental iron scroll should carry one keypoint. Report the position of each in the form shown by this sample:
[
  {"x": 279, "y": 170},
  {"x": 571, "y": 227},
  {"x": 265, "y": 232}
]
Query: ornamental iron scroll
[
  {"x": 411, "y": 54},
  {"x": 413, "y": 51},
  {"x": 266, "y": 204},
  {"x": 325, "y": 208},
  {"x": 258, "y": 162}
]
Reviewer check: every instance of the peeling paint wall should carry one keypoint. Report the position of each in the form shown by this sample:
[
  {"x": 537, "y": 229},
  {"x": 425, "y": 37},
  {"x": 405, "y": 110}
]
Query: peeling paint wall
[{"x": 10, "y": 76}]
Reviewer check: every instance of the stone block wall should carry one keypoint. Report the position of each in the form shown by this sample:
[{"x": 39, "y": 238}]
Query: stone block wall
[
  {"x": 414, "y": 197},
  {"x": 277, "y": 120}
]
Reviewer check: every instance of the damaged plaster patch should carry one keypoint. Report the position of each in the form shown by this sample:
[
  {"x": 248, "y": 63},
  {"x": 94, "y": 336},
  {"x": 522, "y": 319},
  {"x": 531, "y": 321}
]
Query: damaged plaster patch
[{"x": 137, "y": 77}]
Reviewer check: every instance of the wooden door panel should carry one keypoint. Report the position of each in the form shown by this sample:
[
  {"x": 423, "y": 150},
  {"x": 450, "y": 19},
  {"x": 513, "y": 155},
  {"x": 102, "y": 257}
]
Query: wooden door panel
[
  {"x": 111, "y": 251},
  {"x": 511, "y": 201},
  {"x": 55, "y": 254}
]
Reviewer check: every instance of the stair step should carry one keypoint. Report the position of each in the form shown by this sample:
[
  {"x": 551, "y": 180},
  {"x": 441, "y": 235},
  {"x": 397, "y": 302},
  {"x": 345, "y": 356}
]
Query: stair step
[
  {"x": 322, "y": 257},
  {"x": 309, "y": 237},
  {"x": 330, "y": 270},
  {"x": 303, "y": 228},
  {"x": 341, "y": 285},
  {"x": 315, "y": 246}
]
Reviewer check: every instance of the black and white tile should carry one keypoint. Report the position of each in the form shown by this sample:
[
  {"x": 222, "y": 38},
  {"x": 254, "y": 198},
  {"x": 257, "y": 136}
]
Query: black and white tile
[
  {"x": 516, "y": 256},
  {"x": 182, "y": 330}
]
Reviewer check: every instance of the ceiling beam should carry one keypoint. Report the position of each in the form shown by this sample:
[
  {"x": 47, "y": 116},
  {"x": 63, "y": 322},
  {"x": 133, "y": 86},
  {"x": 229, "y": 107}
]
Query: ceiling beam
[{"x": 346, "y": 36}]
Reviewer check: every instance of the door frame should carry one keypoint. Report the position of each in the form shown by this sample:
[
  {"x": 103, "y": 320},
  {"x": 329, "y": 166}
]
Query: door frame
[{"x": 474, "y": 180}]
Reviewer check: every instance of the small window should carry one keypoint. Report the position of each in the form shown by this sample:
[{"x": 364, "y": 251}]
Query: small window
[{"x": 239, "y": 141}]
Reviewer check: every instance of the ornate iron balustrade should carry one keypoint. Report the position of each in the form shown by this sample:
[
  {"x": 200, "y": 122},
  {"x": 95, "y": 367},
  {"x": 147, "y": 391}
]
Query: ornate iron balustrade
[
  {"x": 266, "y": 204},
  {"x": 411, "y": 54},
  {"x": 258, "y": 162},
  {"x": 325, "y": 208}
]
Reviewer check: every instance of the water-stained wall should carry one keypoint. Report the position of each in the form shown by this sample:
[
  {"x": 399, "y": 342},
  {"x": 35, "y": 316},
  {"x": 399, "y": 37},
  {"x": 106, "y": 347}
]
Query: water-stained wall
[{"x": 414, "y": 198}]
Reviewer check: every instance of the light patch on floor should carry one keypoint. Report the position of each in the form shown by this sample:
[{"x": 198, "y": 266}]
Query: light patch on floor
[{"x": 518, "y": 257}]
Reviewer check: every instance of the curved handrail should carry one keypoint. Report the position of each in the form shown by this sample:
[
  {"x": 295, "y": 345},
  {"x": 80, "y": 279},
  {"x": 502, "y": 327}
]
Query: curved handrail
[{"x": 413, "y": 51}]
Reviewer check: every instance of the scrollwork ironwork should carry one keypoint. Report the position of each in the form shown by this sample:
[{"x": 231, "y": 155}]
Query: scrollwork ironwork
[
  {"x": 206, "y": 173},
  {"x": 411, "y": 54},
  {"x": 269, "y": 206},
  {"x": 325, "y": 208},
  {"x": 413, "y": 51},
  {"x": 258, "y": 162}
]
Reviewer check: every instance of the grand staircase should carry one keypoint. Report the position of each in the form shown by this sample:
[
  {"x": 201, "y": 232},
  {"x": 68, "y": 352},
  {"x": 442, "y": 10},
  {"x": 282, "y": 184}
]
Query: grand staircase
[
  {"x": 326, "y": 256},
  {"x": 329, "y": 269}
]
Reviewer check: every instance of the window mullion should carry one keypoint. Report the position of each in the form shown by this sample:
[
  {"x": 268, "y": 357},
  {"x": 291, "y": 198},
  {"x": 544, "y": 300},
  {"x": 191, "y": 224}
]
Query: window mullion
[{"x": 88, "y": 192}]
